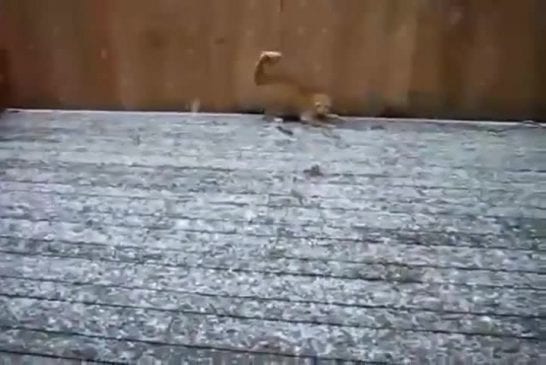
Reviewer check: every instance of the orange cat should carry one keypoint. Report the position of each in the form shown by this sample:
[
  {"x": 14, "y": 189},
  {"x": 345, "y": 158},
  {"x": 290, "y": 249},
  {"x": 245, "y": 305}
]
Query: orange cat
[{"x": 286, "y": 98}]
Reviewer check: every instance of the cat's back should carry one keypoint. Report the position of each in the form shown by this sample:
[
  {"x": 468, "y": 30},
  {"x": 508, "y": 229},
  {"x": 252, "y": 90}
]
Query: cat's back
[{"x": 284, "y": 97}]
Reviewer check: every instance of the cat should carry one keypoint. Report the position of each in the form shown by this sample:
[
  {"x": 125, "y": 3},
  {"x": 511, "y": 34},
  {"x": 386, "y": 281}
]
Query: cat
[{"x": 290, "y": 99}]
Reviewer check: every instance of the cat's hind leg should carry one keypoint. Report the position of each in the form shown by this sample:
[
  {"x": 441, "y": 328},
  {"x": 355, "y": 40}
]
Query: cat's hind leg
[{"x": 271, "y": 117}]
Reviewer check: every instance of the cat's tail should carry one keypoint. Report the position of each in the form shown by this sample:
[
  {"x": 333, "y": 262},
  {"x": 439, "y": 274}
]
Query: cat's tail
[
  {"x": 259, "y": 72},
  {"x": 260, "y": 77}
]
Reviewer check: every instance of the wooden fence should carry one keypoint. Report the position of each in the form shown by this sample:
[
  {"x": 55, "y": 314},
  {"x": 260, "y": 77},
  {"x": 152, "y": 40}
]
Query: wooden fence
[{"x": 430, "y": 58}]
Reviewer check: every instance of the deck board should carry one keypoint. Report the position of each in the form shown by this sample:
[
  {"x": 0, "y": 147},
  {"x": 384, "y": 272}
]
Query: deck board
[{"x": 142, "y": 237}]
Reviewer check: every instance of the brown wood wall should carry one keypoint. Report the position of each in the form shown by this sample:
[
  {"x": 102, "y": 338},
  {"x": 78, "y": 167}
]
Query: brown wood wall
[
  {"x": 3, "y": 68},
  {"x": 439, "y": 58}
]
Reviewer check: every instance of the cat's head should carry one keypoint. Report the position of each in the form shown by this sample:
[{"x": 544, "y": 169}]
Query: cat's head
[{"x": 322, "y": 104}]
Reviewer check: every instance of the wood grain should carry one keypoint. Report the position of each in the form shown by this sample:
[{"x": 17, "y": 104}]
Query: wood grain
[{"x": 423, "y": 58}]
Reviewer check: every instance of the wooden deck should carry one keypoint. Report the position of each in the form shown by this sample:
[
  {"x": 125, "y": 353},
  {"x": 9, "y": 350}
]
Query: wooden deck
[{"x": 150, "y": 238}]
